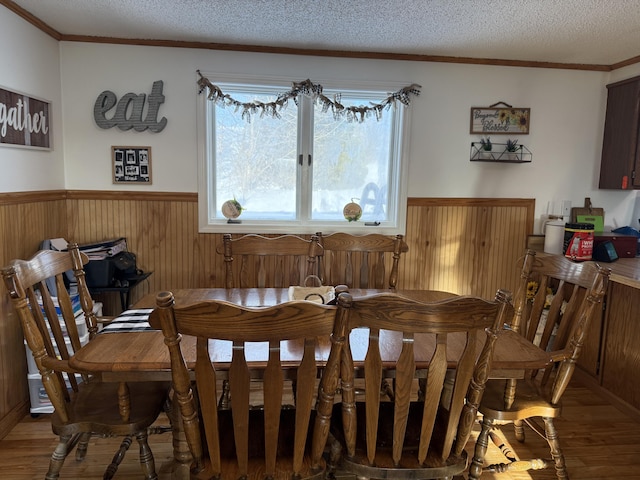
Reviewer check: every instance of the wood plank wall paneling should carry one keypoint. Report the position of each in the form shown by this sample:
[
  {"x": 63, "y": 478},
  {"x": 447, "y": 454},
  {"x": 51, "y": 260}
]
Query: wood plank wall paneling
[
  {"x": 25, "y": 220},
  {"x": 466, "y": 246},
  {"x": 163, "y": 235}
]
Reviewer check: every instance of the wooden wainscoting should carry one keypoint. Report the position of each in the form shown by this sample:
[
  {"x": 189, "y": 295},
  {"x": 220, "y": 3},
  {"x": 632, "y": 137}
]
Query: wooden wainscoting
[
  {"x": 468, "y": 246},
  {"x": 25, "y": 220},
  {"x": 461, "y": 245},
  {"x": 465, "y": 246}
]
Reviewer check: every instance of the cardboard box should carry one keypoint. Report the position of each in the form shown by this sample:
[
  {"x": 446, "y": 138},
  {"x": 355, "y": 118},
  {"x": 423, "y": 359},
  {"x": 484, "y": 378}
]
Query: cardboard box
[{"x": 626, "y": 245}]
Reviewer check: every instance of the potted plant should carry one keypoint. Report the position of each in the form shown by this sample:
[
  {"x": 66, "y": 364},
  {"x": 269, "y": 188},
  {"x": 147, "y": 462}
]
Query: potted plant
[
  {"x": 486, "y": 147},
  {"x": 512, "y": 149}
]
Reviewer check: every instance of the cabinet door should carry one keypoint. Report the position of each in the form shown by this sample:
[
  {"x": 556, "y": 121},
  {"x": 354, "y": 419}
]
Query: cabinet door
[
  {"x": 621, "y": 355},
  {"x": 620, "y": 143},
  {"x": 589, "y": 359}
]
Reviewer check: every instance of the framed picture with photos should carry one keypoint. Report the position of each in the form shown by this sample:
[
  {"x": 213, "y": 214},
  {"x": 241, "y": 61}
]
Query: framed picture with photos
[{"x": 131, "y": 165}]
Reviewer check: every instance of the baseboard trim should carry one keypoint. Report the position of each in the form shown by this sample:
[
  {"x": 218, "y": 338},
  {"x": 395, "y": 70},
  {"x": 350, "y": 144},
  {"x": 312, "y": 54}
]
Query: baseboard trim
[
  {"x": 13, "y": 417},
  {"x": 588, "y": 381}
]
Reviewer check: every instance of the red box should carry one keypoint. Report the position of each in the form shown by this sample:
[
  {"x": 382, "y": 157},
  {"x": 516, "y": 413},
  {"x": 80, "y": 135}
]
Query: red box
[{"x": 626, "y": 245}]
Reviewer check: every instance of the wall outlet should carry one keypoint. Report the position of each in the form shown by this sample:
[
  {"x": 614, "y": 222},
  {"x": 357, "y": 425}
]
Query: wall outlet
[{"x": 566, "y": 210}]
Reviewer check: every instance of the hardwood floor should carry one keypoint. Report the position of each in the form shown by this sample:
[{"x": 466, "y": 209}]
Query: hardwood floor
[{"x": 600, "y": 443}]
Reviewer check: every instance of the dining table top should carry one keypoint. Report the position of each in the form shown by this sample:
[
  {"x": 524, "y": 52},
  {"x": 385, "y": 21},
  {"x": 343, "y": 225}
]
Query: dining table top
[{"x": 143, "y": 355}]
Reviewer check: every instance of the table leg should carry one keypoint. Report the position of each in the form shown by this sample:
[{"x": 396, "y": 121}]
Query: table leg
[
  {"x": 509, "y": 393},
  {"x": 124, "y": 300}
]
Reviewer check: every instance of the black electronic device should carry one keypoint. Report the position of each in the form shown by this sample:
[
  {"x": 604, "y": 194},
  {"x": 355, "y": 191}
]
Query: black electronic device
[{"x": 605, "y": 252}]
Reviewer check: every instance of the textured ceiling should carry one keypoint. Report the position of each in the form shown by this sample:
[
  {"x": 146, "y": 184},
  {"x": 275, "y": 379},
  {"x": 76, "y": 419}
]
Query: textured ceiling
[{"x": 598, "y": 32}]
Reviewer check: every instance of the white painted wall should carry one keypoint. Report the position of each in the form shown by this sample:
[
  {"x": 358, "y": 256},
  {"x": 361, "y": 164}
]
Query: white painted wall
[
  {"x": 567, "y": 117},
  {"x": 30, "y": 63}
]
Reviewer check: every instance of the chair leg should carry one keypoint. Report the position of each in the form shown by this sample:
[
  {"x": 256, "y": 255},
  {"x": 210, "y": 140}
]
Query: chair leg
[
  {"x": 225, "y": 398},
  {"x": 518, "y": 429},
  {"x": 551, "y": 435},
  {"x": 117, "y": 458},
  {"x": 83, "y": 445},
  {"x": 482, "y": 443},
  {"x": 58, "y": 457},
  {"x": 335, "y": 454},
  {"x": 146, "y": 457}
]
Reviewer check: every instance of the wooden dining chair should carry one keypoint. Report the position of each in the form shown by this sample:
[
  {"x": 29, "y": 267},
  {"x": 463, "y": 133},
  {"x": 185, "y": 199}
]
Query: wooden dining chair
[
  {"x": 361, "y": 261},
  {"x": 411, "y": 433},
  {"x": 244, "y": 442},
  {"x": 82, "y": 405},
  {"x": 278, "y": 262},
  {"x": 554, "y": 305}
]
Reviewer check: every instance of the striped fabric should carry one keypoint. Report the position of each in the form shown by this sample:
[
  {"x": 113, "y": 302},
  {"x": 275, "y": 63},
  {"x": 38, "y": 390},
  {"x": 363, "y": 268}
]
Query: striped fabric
[{"x": 136, "y": 320}]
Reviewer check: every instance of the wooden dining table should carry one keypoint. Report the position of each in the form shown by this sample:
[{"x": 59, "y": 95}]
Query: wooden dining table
[{"x": 142, "y": 355}]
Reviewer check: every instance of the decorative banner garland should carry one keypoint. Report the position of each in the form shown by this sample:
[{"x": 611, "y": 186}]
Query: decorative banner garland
[{"x": 313, "y": 90}]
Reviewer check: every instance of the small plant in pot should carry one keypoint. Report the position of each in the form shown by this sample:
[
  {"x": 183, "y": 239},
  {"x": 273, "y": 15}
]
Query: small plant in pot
[
  {"x": 512, "y": 149},
  {"x": 486, "y": 147},
  {"x": 512, "y": 146}
]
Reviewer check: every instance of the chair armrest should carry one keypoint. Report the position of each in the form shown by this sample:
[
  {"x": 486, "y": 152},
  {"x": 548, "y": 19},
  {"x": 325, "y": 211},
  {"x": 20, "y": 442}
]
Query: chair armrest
[
  {"x": 59, "y": 365},
  {"x": 559, "y": 355},
  {"x": 104, "y": 320}
]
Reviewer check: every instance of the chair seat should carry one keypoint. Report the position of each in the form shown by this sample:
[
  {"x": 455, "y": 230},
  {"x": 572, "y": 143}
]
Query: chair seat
[
  {"x": 529, "y": 402},
  {"x": 433, "y": 467},
  {"x": 407, "y": 469},
  {"x": 90, "y": 410},
  {"x": 284, "y": 467}
]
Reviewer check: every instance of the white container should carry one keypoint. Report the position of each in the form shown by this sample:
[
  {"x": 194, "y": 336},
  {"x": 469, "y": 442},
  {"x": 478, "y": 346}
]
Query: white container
[
  {"x": 81, "y": 323},
  {"x": 40, "y": 402},
  {"x": 553, "y": 230}
]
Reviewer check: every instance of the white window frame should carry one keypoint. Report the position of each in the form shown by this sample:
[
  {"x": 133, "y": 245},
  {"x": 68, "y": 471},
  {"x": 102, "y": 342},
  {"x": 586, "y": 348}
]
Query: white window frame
[{"x": 207, "y": 221}]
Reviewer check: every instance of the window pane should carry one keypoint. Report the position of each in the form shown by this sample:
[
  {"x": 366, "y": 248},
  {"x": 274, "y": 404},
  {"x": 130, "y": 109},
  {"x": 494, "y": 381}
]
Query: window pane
[
  {"x": 256, "y": 160},
  {"x": 351, "y": 163}
]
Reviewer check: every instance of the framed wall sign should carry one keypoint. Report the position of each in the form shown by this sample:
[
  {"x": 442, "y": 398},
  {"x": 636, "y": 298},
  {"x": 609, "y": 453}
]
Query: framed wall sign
[
  {"x": 495, "y": 120},
  {"x": 25, "y": 121},
  {"x": 131, "y": 164}
]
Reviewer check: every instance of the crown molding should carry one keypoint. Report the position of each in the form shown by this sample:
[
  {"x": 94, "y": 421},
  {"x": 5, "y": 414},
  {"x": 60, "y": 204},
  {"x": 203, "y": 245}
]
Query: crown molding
[{"x": 309, "y": 52}]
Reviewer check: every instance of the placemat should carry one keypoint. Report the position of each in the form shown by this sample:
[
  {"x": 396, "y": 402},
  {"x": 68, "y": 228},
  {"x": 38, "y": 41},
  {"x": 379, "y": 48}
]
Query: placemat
[{"x": 136, "y": 320}]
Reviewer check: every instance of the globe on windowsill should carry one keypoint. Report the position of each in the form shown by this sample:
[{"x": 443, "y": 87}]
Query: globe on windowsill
[
  {"x": 352, "y": 212},
  {"x": 231, "y": 209}
]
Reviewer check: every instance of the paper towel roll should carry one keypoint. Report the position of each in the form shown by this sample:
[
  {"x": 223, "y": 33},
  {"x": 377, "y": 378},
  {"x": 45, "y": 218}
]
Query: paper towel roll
[{"x": 554, "y": 237}]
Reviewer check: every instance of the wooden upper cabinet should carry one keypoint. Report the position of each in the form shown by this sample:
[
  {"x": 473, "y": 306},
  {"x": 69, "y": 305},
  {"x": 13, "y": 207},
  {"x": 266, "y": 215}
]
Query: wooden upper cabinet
[{"x": 620, "y": 150}]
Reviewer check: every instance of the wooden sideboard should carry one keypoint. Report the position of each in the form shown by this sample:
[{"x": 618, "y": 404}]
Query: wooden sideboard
[{"x": 619, "y": 360}]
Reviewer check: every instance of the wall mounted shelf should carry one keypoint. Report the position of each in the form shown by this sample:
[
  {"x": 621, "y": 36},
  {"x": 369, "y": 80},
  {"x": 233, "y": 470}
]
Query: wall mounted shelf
[{"x": 499, "y": 154}]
